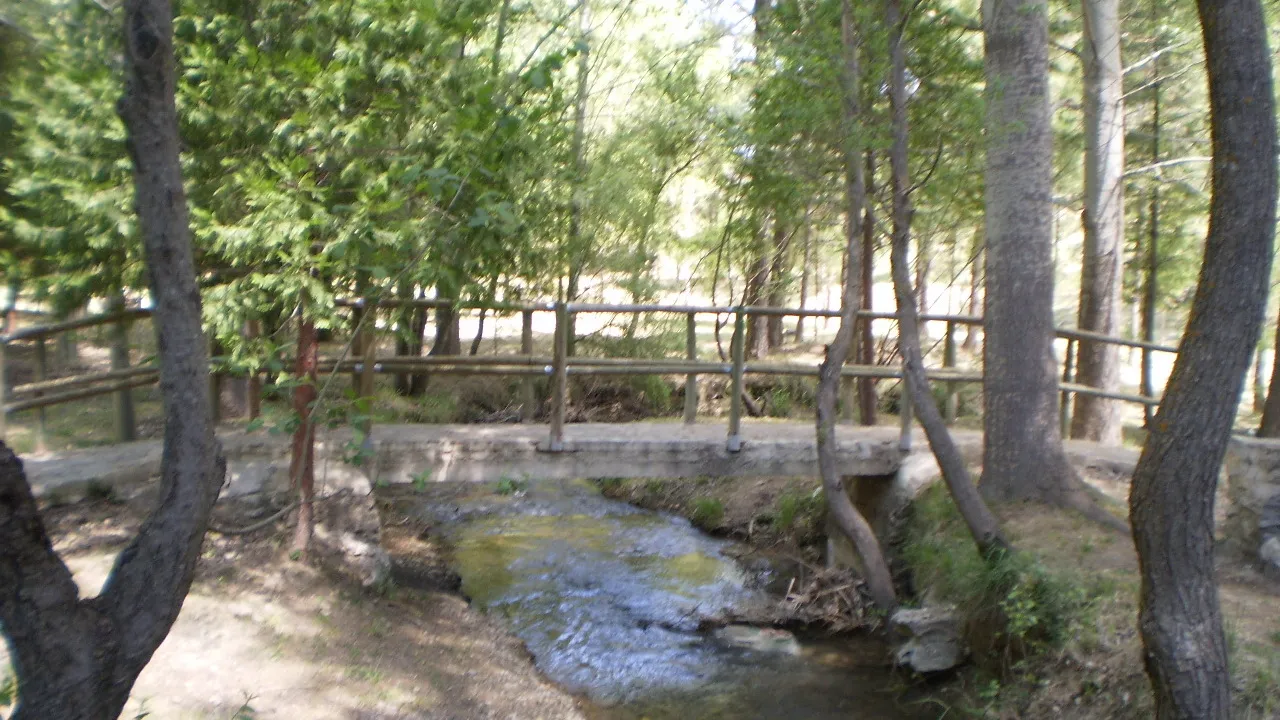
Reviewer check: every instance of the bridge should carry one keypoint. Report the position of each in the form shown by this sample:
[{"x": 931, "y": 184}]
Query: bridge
[{"x": 688, "y": 447}]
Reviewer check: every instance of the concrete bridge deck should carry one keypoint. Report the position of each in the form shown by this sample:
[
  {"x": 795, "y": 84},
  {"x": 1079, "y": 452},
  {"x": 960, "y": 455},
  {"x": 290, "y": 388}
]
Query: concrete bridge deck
[{"x": 405, "y": 453}]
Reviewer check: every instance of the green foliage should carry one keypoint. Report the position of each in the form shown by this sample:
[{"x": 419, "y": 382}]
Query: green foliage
[
  {"x": 707, "y": 513},
  {"x": 1013, "y": 607},
  {"x": 793, "y": 509}
]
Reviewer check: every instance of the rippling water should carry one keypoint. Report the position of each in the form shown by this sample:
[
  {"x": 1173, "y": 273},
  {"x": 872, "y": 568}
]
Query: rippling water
[{"x": 609, "y": 598}]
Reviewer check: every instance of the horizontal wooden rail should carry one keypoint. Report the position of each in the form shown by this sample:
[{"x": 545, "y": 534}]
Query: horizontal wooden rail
[
  {"x": 74, "y": 381},
  {"x": 559, "y": 366},
  {"x": 36, "y": 332},
  {"x": 59, "y": 398}
]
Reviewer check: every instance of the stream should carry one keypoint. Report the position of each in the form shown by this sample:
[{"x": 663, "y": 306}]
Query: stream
[{"x": 609, "y": 598}]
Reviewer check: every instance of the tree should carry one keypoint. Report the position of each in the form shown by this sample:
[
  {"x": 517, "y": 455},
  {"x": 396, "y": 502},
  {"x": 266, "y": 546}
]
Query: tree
[
  {"x": 847, "y": 517},
  {"x": 1172, "y": 497},
  {"x": 982, "y": 524},
  {"x": 78, "y": 658},
  {"x": 1102, "y": 268},
  {"x": 1023, "y": 457}
]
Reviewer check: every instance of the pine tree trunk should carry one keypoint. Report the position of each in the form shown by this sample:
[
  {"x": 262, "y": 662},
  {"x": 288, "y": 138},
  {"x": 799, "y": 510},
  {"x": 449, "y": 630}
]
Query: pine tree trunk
[
  {"x": 1172, "y": 497},
  {"x": 1023, "y": 455},
  {"x": 1102, "y": 266}
]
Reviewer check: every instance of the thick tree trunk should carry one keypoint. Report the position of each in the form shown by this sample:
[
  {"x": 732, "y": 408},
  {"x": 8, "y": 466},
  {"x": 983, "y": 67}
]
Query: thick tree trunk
[
  {"x": 982, "y": 524},
  {"x": 1172, "y": 498},
  {"x": 754, "y": 295},
  {"x": 78, "y": 658},
  {"x": 1023, "y": 455},
  {"x": 1102, "y": 267},
  {"x": 303, "y": 448},
  {"x": 847, "y": 517}
]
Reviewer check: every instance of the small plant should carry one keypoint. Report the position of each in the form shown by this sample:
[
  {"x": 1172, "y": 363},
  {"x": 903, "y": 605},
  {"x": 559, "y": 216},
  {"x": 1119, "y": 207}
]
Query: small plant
[
  {"x": 511, "y": 486},
  {"x": 8, "y": 690},
  {"x": 420, "y": 480},
  {"x": 794, "y": 507},
  {"x": 707, "y": 513},
  {"x": 246, "y": 711}
]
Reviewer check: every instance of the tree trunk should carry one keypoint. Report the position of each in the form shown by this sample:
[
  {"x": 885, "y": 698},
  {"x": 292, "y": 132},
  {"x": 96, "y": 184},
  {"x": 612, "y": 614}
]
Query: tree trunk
[
  {"x": 754, "y": 296},
  {"x": 982, "y": 524},
  {"x": 1259, "y": 382},
  {"x": 1172, "y": 496},
  {"x": 1102, "y": 267},
  {"x": 302, "y": 458},
  {"x": 778, "y": 270},
  {"x": 1150, "y": 290},
  {"x": 1023, "y": 456},
  {"x": 924, "y": 258},
  {"x": 78, "y": 658},
  {"x": 868, "y": 402},
  {"x": 1270, "y": 427},
  {"x": 847, "y": 517},
  {"x": 806, "y": 271},
  {"x": 970, "y": 343}
]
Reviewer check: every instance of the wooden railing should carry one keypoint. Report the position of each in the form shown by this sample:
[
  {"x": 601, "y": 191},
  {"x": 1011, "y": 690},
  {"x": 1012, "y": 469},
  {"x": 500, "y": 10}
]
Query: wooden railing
[{"x": 361, "y": 359}]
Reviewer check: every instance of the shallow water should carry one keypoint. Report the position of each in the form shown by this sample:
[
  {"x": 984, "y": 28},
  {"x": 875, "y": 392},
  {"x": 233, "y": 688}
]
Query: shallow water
[{"x": 609, "y": 598}]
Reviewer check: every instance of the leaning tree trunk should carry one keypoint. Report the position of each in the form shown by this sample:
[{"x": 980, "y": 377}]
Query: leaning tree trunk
[
  {"x": 1270, "y": 427},
  {"x": 77, "y": 659},
  {"x": 1171, "y": 503},
  {"x": 847, "y": 517},
  {"x": 1102, "y": 268},
  {"x": 1023, "y": 456},
  {"x": 983, "y": 526}
]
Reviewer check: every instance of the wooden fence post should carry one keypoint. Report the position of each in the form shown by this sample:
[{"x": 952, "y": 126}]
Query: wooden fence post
[
  {"x": 126, "y": 420},
  {"x": 691, "y": 380},
  {"x": 42, "y": 374},
  {"x": 737, "y": 347},
  {"x": 528, "y": 406},
  {"x": 215, "y": 379},
  {"x": 949, "y": 361},
  {"x": 848, "y": 385},
  {"x": 252, "y": 329},
  {"x": 905, "y": 409},
  {"x": 560, "y": 383},
  {"x": 368, "y": 366},
  {"x": 1068, "y": 375}
]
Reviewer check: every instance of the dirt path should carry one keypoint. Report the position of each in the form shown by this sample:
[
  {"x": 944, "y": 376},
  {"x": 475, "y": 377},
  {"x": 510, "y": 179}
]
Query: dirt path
[{"x": 263, "y": 637}]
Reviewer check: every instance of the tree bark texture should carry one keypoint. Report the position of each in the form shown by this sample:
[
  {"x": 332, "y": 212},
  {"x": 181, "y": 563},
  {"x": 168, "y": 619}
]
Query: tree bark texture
[
  {"x": 1023, "y": 455},
  {"x": 1102, "y": 266},
  {"x": 1172, "y": 498},
  {"x": 981, "y": 522},
  {"x": 847, "y": 517},
  {"x": 302, "y": 457},
  {"x": 1270, "y": 427},
  {"x": 868, "y": 401},
  {"x": 78, "y": 658}
]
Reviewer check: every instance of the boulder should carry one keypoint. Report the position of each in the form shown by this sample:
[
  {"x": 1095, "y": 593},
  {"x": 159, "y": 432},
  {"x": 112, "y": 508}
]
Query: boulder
[
  {"x": 927, "y": 639},
  {"x": 1253, "y": 500}
]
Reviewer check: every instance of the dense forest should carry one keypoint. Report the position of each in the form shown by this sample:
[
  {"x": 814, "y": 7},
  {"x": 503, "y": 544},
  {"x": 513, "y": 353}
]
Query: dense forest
[{"x": 278, "y": 167}]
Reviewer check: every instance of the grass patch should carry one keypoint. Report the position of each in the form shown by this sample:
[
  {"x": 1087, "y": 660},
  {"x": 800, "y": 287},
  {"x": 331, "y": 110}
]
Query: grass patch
[
  {"x": 707, "y": 513},
  {"x": 796, "y": 509}
]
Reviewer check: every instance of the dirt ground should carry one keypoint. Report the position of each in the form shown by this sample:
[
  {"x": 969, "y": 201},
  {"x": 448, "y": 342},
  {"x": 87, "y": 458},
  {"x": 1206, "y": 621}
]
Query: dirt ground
[{"x": 261, "y": 636}]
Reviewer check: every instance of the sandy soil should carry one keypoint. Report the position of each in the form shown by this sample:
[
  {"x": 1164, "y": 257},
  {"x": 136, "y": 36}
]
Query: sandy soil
[{"x": 263, "y": 637}]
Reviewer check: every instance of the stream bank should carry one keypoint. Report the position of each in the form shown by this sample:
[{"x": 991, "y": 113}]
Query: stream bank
[{"x": 639, "y": 613}]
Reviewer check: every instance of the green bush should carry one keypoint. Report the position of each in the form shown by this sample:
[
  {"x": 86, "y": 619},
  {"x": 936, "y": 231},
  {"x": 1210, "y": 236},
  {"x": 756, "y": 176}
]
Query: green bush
[
  {"x": 796, "y": 508},
  {"x": 1012, "y": 606}
]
